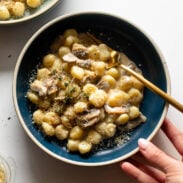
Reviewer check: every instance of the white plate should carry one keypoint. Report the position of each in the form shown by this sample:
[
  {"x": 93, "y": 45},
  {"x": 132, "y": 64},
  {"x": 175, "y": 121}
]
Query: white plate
[{"x": 31, "y": 14}]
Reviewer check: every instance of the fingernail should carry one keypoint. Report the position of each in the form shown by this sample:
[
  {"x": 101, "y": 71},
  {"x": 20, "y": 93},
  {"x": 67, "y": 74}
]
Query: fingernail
[{"x": 143, "y": 143}]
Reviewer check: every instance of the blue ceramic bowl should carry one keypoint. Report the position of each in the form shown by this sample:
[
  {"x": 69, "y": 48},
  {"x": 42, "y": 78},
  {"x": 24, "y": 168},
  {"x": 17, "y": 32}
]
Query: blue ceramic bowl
[{"x": 119, "y": 34}]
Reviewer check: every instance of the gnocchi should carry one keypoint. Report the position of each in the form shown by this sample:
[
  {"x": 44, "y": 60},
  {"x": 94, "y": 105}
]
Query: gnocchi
[
  {"x": 84, "y": 147},
  {"x": 61, "y": 132},
  {"x": 48, "y": 129},
  {"x": 81, "y": 99}
]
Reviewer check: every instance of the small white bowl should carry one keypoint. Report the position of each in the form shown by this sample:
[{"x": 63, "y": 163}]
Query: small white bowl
[
  {"x": 47, "y": 5},
  {"x": 7, "y": 170}
]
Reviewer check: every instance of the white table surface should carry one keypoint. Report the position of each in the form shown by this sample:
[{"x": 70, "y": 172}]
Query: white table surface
[{"x": 162, "y": 20}]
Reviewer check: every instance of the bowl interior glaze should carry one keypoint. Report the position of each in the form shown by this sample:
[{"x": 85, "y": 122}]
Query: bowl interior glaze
[{"x": 120, "y": 35}]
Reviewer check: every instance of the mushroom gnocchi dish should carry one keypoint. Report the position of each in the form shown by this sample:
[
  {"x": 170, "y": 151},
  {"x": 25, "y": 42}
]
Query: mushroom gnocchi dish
[
  {"x": 17, "y": 8},
  {"x": 82, "y": 95}
]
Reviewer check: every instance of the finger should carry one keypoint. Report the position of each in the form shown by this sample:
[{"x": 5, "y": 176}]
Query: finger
[
  {"x": 174, "y": 134},
  {"x": 156, "y": 156},
  {"x": 136, "y": 173},
  {"x": 153, "y": 172}
]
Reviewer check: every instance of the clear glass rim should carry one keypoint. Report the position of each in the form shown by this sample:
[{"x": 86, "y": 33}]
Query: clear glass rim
[{"x": 7, "y": 168}]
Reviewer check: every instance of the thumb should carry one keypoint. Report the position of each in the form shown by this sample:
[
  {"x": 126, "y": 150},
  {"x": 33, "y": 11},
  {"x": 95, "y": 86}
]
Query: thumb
[{"x": 154, "y": 155}]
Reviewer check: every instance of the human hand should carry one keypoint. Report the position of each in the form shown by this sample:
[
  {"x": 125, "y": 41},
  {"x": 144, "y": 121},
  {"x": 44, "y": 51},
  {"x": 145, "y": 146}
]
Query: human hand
[{"x": 164, "y": 168}]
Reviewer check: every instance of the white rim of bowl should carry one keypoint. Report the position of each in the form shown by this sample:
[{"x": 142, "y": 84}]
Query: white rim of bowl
[
  {"x": 42, "y": 9},
  {"x": 39, "y": 31}
]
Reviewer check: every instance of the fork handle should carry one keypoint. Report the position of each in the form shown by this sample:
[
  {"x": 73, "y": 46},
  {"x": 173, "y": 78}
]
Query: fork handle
[{"x": 155, "y": 89}]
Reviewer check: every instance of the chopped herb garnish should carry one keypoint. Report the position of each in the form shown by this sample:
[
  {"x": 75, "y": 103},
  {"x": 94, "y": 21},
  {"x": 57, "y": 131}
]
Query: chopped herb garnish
[
  {"x": 60, "y": 77},
  {"x": 66, "y": 84},
  {"x": 85, "y": 95},
  {"x": 72, "y": 90},
  {"x": 53, "y": 72}
]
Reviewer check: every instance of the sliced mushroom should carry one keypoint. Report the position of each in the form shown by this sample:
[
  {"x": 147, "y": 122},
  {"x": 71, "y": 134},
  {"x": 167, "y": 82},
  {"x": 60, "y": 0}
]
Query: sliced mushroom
[
  {"x": 51, "y": 86},
  {"x": 38, "y": 86},
  {"x": 132, "y": 123},
  {"x": 116, "y": 110},
  {"x": 92, "y": 114},
  {"x": 70, "y": 57},
  {"x": 84, "y": 63},
  {"x": 103, "y": 85},
  {"x": 80, "y": 51},
  {"x": 45, "y": 87},
  {"x": 89, "y": 119}
]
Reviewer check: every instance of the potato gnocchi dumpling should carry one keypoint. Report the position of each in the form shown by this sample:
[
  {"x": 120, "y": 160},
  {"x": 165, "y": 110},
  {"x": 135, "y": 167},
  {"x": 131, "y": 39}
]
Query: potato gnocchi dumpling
[
  {"x": 16, "y": 8},
  {"x": 80, "y": 97}
]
